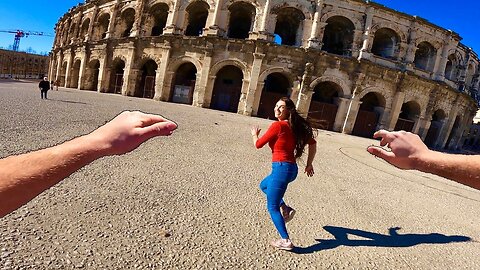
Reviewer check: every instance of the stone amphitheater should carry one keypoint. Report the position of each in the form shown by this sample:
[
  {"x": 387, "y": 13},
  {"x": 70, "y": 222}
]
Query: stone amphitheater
[{"x": 352, "y": 66}]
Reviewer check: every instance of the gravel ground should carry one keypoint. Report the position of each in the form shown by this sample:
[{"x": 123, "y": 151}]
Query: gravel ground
[{"x": 191, "y": 201}]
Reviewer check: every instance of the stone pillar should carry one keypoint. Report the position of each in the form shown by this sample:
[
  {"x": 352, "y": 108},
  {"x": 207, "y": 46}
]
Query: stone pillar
[
  {"x": 351, "y": 116},
  {"x": 103, "y": 80},
  {"x": 457, "y": 141},
  {"x": 83, "y": 67},
  {"x": 412, "y": 46},
  {"x": 395, "y": 110},
  {"x": 59, "y": 65},
  {"x": 246, "y": 105},
  {"x": 440, "y": 74},
  {"x": 113, "y": 19},
  {"x": 130, "y": 76},
  {"x": 341, "y": 116},
  {"x": 82, "y": 55},
  {"x": 447, "y": 128},
  {"x": 137, "y": 25},
  {"x": 89, "y": 34},
  {"x": 427, "y": 122},
  {"x": 171, "y": 25},
  {"x": 68, "y": 71},
  {"x": 214, "y": 29},
  {"x": 161, "y": 75},
  {"x": 436, "y": 66},
  {"x": 201, "y": 85},
  {"x": 313, "y": 41},
  {"x": 263, "y": 33},
  {"x": 304, "y": 97},
  {"x": 364, "y": 54}
]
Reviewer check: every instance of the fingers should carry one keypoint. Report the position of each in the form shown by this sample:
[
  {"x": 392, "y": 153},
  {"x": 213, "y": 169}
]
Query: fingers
[
  {"x": 387, "y": 136},
  {"x": 159, "y": 129},
  {"x": 381, "y": 153}
]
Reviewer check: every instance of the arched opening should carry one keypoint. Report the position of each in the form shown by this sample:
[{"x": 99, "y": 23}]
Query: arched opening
[
  {"x": 63, "y": 73},
  {"x": 242, "y": 15},
  {"x": 408, "y": 116},
  {"x": 338, "y": 36},
  {"x": 451, "y": 68},
  {"x": 116, "y": 77},
  {"x": 436, "y": 125},
  {"x": 456, "y": 126},
  {"x": 66, "y": 28},
  {"x": 91, "y": 74},
  {"x": 371, "y": 108},
  {"x": 385, "y": 43},
  {"x": 84, "y": 30},
  {"x": 158, "y": 19},
  {"x": 72, "y": 31},
  {"x": 146, "y": 85},
  {"x": 275, "y": 87},
  {"x": 227, "y": 89},
  {"x": 100, "y": 31},
  {"x": 75, "y": 74},
  {"x": 289, "y": 26},
  {"x": 184, "y": 84},
  {"x": 470, "y": 74},
  {"x": 425, "y": 56},
  {"x": 323, "y": 109},
  {"x": 125, "y": 24},
  {"x": 197, "y": 14}
]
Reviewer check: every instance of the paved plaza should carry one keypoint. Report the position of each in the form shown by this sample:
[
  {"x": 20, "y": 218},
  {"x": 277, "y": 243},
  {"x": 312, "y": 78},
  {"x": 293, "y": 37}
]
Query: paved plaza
[{"x": 192, "y": 200}]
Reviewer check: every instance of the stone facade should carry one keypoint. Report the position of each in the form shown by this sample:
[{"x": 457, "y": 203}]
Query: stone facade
[
  {"x": 22, "y": 65},
  {"x": 351, "y": 66}
]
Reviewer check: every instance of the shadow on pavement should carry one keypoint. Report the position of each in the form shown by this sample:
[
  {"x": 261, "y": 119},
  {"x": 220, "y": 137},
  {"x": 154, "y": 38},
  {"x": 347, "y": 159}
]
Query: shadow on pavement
[
  {"x": 371, "y": 239},
  {"x": 67, "y": 101}
]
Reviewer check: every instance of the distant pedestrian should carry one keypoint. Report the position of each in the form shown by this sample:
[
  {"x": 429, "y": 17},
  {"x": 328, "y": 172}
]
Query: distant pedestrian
[
  {"x": 44, "y": 87},
  {"x": 287, "y": 138},
  {"x": 56, "y": 85},
  {"x": 51, "y": 85}
]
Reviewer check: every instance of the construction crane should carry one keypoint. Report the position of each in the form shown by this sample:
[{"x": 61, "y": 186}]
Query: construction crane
[{"x": 22, "y": 33}]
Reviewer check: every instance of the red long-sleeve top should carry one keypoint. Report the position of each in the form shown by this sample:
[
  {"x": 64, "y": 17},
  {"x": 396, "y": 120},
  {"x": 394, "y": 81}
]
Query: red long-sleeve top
[{"x": 279, "y": 137}]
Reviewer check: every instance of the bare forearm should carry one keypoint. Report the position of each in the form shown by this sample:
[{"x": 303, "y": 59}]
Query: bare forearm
[
  {"x": 460, "y": 168},
  {"x": 25, "y": 176},
  {"x": 255, "y": 139},
  {"x": 312, "y": 150}
]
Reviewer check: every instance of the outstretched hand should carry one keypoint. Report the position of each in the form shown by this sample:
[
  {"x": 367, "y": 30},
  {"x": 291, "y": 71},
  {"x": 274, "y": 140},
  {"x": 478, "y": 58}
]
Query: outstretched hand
[
  {"x": 128, "y": 130},
  {"x": 255, "y": 131},
  {"x": 309, "y": 170},
  {"x": 406, "y": 148}
]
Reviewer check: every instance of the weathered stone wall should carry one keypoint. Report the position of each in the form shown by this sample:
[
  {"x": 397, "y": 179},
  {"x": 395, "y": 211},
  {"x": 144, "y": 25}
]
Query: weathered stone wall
[{"x": 351, "y": 65}]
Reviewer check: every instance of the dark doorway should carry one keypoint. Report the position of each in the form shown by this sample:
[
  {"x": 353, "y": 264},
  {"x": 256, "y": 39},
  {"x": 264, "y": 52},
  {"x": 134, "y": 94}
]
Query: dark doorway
[
  {"x": 197, "y": 14},
  {"x": 338, "y": 36},
  {"x": 241, "y": 18},
  {"x": 276, "y": 86},
  {"x": 368, "y": 116},
  {"x": 323, "y": 110},
  {"x": 146, "y": 87},
  {"x": 159, "y": 14},
  {"x": 116, "y": 80},
  {"x": 435, "y": 127},
  {"x": 227, "y": 89},
  {"x": 408, "y": 115},
  {"x": 289, "y": 26},
  {"x": 184, "y": 84}
]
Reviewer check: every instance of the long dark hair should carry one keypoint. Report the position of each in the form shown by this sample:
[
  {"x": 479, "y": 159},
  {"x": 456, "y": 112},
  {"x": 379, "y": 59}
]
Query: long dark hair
[{"x": 302, "y": 130}]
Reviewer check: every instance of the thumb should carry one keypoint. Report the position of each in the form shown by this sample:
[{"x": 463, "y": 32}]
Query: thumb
[{"x": 381, "y": 153}]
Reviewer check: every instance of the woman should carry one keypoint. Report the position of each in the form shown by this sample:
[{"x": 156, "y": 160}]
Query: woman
[{"x": 287, "y": 139}]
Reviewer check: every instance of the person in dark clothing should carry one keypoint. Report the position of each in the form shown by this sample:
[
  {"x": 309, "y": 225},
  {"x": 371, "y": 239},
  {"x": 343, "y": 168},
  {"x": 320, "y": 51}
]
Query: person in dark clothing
[
  {"x": 44, "y": 87},
  {"x": 51, "y": 85}
]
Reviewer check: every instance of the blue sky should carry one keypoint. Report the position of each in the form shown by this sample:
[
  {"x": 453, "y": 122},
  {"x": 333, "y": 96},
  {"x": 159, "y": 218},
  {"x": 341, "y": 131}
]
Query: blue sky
[{"x": 461, "y": 16}]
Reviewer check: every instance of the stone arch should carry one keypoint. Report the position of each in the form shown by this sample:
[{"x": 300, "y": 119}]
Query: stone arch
[
  {"x": 196, "y": 19},
  {"x": 75, "y": 72},
  {"x": 338, "y": 36},
  {"x": 370, "y": 112},
  {"x": 230, "y": 62},
  {"x": 183, "y": 83},
  {"x": 289, "y": 25},
  {"x": 125, "y": 22},
  {"x": 425, "y": 56},
  {"x": 277, "y": 83},
  {"x": 283, "y": 70},
  {"x": 323, "y": 106},
  {"x": 175, "y": 63},
  {"x": 117, "y": 74},
  {"x": 146, "y": 78},
  {"x": 157, "y": 18},
  {"x": 227, "y": 88},
  {"x": 84, "y": 26},
  {"x": 102, "y": 22},
  {"x": 306, "y": 11},
  {"x": 92, "y": 73},
  {"x": 63, "y": 72},
  {"x": 241, "y": 20},
  {"x": 386, "y": 43},
  {"x": 437, "y": 122},
  {"x": 409, "y": 115},
  {"x": 471, "y": 71},
  {"x": 358, "y": 25},
  {"x": 401, "y": 34},
  {"x": 146, "y": 57},
  {"x": 345, "y": 90}
]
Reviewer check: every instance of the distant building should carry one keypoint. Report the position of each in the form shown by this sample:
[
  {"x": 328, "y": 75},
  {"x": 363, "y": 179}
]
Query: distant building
[{"x": 22, "y": 65}]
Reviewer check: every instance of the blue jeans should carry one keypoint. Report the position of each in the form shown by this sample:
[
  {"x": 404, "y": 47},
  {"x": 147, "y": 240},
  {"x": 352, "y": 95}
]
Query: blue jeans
[{"x": 274, "y": 186}]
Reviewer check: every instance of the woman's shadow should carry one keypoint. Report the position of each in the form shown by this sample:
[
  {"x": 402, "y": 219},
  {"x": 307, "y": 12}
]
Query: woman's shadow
[{"x": 371, "y": 239}]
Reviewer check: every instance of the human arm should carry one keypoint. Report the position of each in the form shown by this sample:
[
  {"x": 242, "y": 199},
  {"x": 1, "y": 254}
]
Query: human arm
[
  {"x": 23, "y": 177},
  {"x": 271, "y": 134},
  {"x": 409, "y": 152},
  {"x": 312, "y": 150}
]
